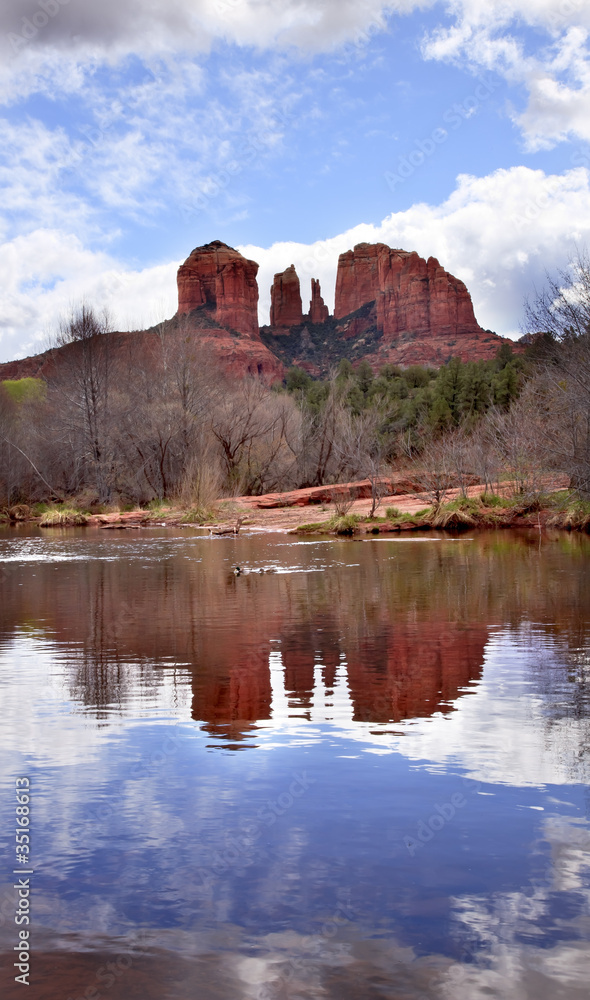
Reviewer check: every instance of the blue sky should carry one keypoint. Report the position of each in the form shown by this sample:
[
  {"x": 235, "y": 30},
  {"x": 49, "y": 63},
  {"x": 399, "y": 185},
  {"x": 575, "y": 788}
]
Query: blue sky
[{"x": 133, "y": 131}]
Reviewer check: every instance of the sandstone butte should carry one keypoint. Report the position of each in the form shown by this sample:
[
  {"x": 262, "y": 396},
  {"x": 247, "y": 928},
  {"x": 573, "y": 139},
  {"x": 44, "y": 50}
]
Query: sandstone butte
[
  {"x": 411, "y": 295},
  {"x": 218, "y": 278},
  {"x": 391, "y": 306}
]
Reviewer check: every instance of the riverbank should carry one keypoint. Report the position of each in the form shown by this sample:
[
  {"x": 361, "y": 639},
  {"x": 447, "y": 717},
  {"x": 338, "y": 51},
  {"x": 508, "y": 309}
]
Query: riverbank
[{"x": 342, "y": 509}]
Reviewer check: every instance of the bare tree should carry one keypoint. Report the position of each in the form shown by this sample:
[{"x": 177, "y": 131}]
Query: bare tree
[
  {"x": 456, "y": 445},
  {"x": 521, "y": 441},
  {"x": 81, "y": 388},
  {"x": 483, "y": 456},
  {"x": 24, "y": 466},
  {"x": 434, "y": 471},
  {"x": 559, "y": 321},
  {"x": 322, "y": 458},
  {"x": 164, "y": 407},
  {"x": 258, "y": 433},
  {"x": 362, "y": 451},
  {"x": 562, "y": 309}
]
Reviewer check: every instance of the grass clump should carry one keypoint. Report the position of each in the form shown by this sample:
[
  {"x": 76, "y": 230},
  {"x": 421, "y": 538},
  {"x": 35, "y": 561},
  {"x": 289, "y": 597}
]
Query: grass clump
[
  {"x": 199, "y": 515},
  {"x": 571, "y": 513},
  {"x": 40, "y": 508},
  {"x": 459, "y": 514},
  {"x": 530, "y": 504},
  {"x": 344, "y": 524},
  {"x": 340, "y": 524},
  {"x": 449, "y": 516},
  {"x": 467, "y": 505},
  {"x": 398, "y": 517},
  {"x": 62, "y": 517},
  {"x": 493, "y": 500}
]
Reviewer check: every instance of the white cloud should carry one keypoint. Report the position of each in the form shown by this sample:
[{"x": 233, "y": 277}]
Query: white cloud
[
  {"x": 558, "y": 109},
  {"x": 539, "y": 44},
  {"x": 73, "y": 40},
  {"x": 554, "y": 67},
  {"x": 139, "y": 147}
]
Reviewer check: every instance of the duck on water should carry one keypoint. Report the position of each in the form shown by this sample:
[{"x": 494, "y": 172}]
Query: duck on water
[{"x": 245, "y": 570}]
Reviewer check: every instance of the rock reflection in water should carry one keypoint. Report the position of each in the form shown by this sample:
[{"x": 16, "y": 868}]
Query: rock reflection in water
[
  {"x": 410, "y": 639},
  {"x": 411, "y": 628}
]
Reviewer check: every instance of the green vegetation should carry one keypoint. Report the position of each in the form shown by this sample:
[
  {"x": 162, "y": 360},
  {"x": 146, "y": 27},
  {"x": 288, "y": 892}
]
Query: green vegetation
[
  {"x": 559, "y": 510},
  {"x": 199, "y": 515},
  {"x": 416, "y": 401},
  {"x": 314, "y": 527},
  {"x": 343, "y": 524},
  {"x": 62, "y": 517},
  {"x": 570, "y": 512},
  {"x": 24, "y": 390},
  {"x": 493, "y": 500}
]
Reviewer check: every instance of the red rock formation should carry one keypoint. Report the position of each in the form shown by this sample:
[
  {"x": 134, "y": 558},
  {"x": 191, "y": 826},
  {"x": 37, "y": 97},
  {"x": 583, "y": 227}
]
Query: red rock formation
[
  {"x": 239, "y": 356},
  {"x": 412, "y": 296},
  {"x": 286, "y": 308},
  {"x": 219, "y": 277},
  {"x": 318, "y": 310},
  {"x": 406, "y": 311},
  {"x": 357, "y": 279}
]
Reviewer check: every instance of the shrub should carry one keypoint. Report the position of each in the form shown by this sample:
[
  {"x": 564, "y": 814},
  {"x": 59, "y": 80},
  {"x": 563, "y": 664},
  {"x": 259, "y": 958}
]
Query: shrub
[
  {"x": 447, "y": 517},
  {"x": 571, "y": 513},
  {"x": 20, "y": 512},
  {"x": 343, "y": 501},
  {"x": 61, "y": 518},
  {"x": 198, "y": 515},
  {"x": 344, "y": 524}
]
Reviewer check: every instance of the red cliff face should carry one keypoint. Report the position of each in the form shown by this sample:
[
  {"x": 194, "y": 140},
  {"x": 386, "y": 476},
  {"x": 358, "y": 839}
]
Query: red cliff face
[
  {"x": 357, "y": 279},
  {"x": 412, "y": 296},
  {"x": 218, "y": 276},
  {"x": 318, "y": 310},
  {"x": 286, "y": 308}
]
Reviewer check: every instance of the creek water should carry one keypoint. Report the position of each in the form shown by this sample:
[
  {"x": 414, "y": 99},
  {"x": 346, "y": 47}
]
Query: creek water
[{"x": 359, "y": 774}]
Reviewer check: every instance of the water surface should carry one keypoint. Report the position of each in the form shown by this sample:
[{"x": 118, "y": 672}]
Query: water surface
[{"x": 361, "y": 773}]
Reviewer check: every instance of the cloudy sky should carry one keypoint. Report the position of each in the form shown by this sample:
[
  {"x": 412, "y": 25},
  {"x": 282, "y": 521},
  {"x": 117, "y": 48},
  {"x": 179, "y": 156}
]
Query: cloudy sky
[{"x": 132, "y": 131}]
